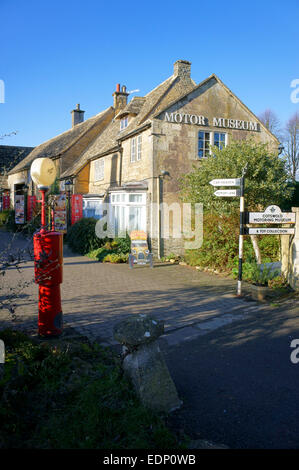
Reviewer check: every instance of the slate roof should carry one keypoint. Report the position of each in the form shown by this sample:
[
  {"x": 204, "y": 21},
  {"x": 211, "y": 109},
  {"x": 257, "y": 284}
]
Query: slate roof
[
  {"x": 58, "y": 145},
  {"x": 133, "y": 107},
  {"x": 10, "y": 156},
  {"x": 145, "y": 107}
]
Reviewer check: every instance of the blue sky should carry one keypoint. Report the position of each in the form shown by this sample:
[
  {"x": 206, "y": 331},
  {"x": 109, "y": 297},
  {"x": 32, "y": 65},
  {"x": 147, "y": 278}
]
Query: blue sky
[{"x": 59, "y": 53}]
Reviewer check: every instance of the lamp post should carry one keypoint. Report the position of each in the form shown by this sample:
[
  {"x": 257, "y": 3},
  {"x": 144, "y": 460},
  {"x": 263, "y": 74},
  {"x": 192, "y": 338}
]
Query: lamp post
[
  {"x": 48, "y": 257},
  {"x": 69, "y": 189}
]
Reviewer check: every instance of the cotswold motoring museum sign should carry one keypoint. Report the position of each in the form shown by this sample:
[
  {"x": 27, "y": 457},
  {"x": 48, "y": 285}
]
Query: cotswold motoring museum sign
[{"x": 180, "y": 118}]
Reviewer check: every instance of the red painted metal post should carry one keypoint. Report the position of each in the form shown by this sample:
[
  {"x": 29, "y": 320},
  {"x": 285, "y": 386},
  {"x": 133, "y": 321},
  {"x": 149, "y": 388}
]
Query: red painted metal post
[{"x": 48, "y": 260}]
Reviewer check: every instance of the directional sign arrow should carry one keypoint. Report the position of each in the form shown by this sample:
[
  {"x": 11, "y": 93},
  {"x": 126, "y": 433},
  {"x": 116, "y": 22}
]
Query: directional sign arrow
[
  {"x": 227, "y": 192},
  {"x": 226, "y": 182},
  {"x": 270, "y": 231}
]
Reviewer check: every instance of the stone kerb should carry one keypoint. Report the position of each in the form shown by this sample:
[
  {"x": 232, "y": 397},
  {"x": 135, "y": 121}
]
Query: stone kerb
[{"x": 144, "y": 364}]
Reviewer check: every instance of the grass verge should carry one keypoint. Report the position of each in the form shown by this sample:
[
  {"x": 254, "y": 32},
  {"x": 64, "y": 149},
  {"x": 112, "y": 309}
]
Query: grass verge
[{"x": 71, "y": 394}]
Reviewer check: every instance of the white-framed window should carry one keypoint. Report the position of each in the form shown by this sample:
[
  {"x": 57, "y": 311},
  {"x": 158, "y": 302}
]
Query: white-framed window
[
  {"x": 124, "y": 123},
  {"x": 136, "y": 148},
  {"x": 204, "y": 142},
  {"x": 127, "y": 211},
  {"x": 99, "y": 166},
  {"x": 133, "y": 149},
  {"x": 207, "y": 139},
  {"x": 92, "y": 207},
  {"x": 220, "y": 139},
  {"x": 139, "y": 147}
]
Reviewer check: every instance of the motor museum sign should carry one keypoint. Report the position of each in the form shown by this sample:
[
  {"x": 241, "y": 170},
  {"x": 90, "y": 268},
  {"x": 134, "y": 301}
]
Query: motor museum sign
[
  {"x": 272, "y": 215},
  {"x": 183, "y": 118}
]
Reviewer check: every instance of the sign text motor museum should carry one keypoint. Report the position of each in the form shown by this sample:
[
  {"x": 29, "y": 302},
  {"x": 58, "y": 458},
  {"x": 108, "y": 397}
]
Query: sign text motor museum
[{"x": 183, "y": 118}]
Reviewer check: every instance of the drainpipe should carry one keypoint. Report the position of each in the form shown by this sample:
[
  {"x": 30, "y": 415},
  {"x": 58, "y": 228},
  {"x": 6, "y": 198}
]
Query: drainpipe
[
  {"x": 159, "y": 215},
  {"x": 120, "y": 164}
]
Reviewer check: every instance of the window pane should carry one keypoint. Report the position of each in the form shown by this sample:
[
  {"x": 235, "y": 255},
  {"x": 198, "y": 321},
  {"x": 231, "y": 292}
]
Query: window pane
[
  {"x": 203, "y": 144},
  {"x": 219, "y": 140},
  {"x": 135, "y": 197},
  {"x": 99, "y": 170},
  {"x": 139, "y": 141},
  {"x": 92, "y": 209},
  {"x": 133, "y": 149}
]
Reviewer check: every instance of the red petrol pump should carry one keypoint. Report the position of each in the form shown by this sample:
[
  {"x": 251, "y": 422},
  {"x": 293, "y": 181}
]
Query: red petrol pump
[{"x": 48, "y": 258}]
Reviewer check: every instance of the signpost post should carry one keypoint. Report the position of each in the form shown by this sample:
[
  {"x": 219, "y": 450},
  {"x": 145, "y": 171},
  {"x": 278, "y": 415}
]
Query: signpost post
[
  {"x": 233, "y": 193},
  {"x": 271, "y": 215},
  {"x": 241, "y": 234}
]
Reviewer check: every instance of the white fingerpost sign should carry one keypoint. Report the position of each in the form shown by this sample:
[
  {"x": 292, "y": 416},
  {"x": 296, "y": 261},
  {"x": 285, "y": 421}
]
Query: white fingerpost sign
[
  {"x": 227, "y": 192},
  {"x": 226, "y": 182}
]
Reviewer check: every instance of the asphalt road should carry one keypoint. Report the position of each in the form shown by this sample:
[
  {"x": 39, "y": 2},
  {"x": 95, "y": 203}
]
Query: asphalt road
[{"x": 238, "y": 383}]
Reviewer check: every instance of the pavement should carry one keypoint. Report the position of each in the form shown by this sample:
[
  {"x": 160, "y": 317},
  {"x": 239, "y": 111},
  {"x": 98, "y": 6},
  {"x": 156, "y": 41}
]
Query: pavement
[{"x": 229, "y": 358}]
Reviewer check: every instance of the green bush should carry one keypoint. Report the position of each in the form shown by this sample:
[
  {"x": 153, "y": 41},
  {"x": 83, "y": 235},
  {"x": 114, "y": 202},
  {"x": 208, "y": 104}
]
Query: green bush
[
  {"x": 82, "y": 238},
  {"x": 294, "y": 202},
  {"x": 269, "y": 247},
  {"x": 122, "y": 245},
  {"x": 116, "y": 258},
  {"x": 252, "y": 272},
  {"x": 220, "y": 243},
  {"x": 113, "y": 251},
  {"x": 4, "y": 217},
  {"x": 220, "y": 248},
  {"x": 277, "y": 282}
]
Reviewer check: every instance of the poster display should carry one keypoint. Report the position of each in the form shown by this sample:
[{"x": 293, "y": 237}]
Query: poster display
[
  {"x": 60, "y": 213},
  {"x": 5, "y": 202},
  {"x": 77, "y": 207},
  {"x": 31, "y": 202},
  {"x": 19, "y": 209}
]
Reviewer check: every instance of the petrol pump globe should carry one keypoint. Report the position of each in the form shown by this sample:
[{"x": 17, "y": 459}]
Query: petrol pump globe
[{"x": 43, "y": 171}]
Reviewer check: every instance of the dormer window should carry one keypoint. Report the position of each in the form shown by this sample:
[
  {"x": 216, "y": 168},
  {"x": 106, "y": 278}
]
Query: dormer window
[{"x": 123, "y": 123}]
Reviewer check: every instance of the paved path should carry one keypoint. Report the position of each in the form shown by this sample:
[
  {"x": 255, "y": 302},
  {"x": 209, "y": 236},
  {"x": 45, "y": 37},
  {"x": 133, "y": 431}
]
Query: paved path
[
  {"x": 230, "y": 359},
  {"x": 95, "y": 296}
]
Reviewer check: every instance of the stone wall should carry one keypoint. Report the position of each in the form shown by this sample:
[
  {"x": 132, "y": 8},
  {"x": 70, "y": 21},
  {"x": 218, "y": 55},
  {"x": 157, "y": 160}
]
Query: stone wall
[{"x": 290, "y": 254}]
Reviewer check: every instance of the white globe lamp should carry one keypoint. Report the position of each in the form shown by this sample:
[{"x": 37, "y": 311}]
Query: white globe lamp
[{"x": 43, "y": 172}]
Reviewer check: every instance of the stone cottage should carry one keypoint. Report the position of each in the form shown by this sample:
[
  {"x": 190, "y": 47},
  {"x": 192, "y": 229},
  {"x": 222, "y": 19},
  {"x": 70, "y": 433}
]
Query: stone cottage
[{"x": 133, "y": 154}]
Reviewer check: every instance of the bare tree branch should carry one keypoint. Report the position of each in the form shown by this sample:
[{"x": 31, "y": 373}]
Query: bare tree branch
[{"x": 291, "y": 143}]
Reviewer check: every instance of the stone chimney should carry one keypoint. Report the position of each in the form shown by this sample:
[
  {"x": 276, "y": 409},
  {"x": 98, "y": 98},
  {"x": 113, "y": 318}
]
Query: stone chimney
[
  {"x": 77, "y": 115},
  {"x": 120, "y": 98},
  {"x": 182, "y": 69}
]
